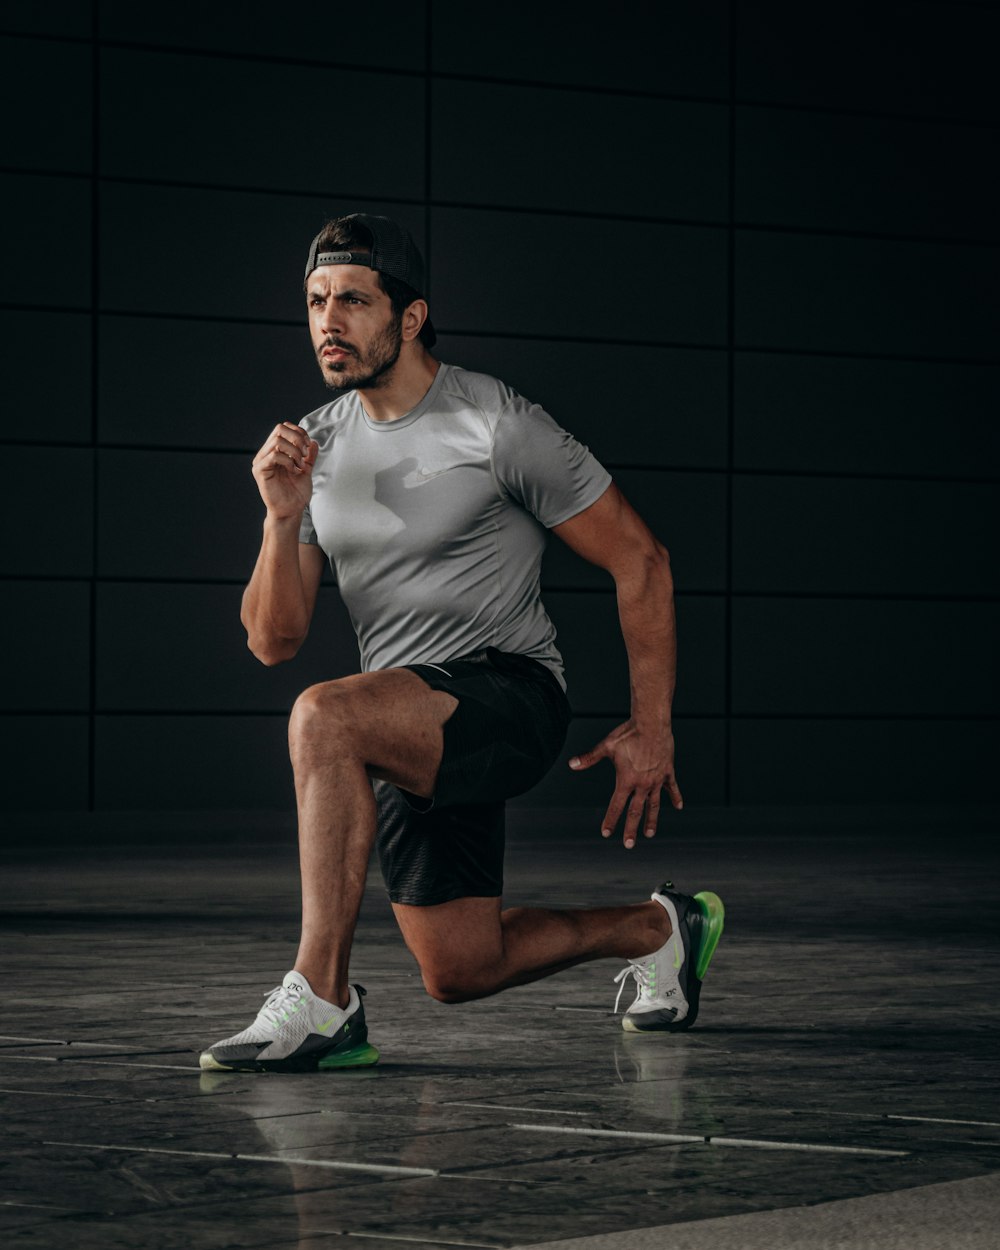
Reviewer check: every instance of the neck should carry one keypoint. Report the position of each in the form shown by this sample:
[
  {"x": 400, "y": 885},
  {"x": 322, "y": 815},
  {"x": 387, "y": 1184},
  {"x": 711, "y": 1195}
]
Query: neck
[{"x": 403, "y": 387}]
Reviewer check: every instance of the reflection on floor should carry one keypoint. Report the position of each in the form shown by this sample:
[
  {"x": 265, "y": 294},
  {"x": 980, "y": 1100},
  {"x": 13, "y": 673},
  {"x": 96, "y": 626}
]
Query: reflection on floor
[{"x": 847, "y": 1045}]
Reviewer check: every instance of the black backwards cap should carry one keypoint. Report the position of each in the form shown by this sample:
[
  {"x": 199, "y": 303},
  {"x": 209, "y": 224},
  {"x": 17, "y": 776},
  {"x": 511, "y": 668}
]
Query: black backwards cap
[{"x": 393, "y": 253}]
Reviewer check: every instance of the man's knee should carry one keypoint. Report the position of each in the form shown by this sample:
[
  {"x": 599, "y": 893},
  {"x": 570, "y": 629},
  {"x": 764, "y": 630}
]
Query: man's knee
[
  {"x": 449, "y": 981},
  {"x": 321, "y": 715},
  {"x": 449, "y": 989}
]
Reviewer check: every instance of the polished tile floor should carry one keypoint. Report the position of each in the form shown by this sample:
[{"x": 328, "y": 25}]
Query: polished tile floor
[{"x": 847, "y": 1057}]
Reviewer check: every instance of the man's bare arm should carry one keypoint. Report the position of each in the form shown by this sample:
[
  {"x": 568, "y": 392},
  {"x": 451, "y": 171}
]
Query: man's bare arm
[
  {"x": 611, "y": 534},
  {"x": 279, "y": 601}
]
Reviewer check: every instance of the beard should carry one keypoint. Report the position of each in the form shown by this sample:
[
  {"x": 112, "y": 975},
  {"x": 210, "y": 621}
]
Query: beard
[{"x": 367, "y": 368}]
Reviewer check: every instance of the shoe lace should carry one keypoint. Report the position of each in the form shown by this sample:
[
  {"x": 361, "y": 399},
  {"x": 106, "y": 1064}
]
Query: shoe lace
[
  {"x": 277, "y": 1004},
  {"x": 643, "y": 975}
]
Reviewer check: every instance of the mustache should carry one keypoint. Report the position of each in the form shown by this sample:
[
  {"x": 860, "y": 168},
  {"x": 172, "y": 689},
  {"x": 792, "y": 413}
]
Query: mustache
[{"x": 335, "y": 342}]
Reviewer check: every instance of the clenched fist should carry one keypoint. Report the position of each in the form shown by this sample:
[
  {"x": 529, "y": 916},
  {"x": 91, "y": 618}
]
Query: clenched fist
[{"x": 283, "y": 470}]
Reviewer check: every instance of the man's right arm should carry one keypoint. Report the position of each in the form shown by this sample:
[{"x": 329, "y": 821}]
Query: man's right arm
[{"x": 279, "y": 601}]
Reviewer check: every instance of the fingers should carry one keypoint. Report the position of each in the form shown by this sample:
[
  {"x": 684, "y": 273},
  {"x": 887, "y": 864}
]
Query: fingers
[
  {"x": 289, "y": 448},
  {"x": 652, "y": 813},
  {"x": 636, "y": 804},
  {"x": 588, "y": 759},
  {"x": 614, "y": 812},
  {"x": 639, "y": 801}
]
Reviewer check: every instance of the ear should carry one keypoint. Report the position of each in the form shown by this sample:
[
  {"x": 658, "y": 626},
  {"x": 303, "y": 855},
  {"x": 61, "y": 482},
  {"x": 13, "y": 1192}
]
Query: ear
[{"x": 413, "y": 319}]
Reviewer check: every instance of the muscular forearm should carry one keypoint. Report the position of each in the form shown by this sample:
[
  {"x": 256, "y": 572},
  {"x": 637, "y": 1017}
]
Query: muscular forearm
[
  {"x": 275, "y": 613},
  {"x": 646, "y": 611}
]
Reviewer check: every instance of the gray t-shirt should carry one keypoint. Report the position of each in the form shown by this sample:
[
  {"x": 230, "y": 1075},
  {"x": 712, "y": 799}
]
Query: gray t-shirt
[{"x": 435, "y": 523}]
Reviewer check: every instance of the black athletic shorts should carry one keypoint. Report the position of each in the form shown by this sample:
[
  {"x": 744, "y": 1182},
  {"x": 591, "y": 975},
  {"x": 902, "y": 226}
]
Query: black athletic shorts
[{"x": 504, "y": 736}]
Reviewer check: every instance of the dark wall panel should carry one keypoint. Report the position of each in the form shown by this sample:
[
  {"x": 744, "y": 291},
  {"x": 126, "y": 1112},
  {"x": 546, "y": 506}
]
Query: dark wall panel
[
  {"x": 47, "y": 376},
  {"x": 177, "y": 514},
  {"x": 854, "y": 536},
  {"x": 45, "y": 635},
  {"x": 677, "y": 293},
  {"x": 660, "y": 407},
  {"x": 222, "y": 386},
  {"x": 846, "y": 415},
  {"x": 824, "y": 171},
  {"x": 182, "y": 648},
  {"x": 49, "y": 511},
  {"x": 700, "y": 763},
  {"x": 44, "y": 763},
  {"x": 175, "y": 763},
  {"x": 849, "y": 658},
  {"x": 45, "y": 252},
  {"x": 243, "y": 123},
  {"x": 864, "y": 761},
  {"x": 816, "y": 293},
  {"x": 924, "y": 58},
  {"x": 590, "y": 641},
  {"x": 214, "y": 253},
  {"x": 55, "y": 17},
  {"x": 389, "y": 34},
  {"x": 53, "y": 132},
  {"x": 661, "y": 158},
  {"x": 682, "y": 49}
]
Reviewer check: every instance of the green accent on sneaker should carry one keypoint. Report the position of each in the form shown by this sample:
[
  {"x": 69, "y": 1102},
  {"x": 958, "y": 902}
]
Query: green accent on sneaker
[
  {"x": 358, "y": 1057},
  {"x": 713, "y": 919}
]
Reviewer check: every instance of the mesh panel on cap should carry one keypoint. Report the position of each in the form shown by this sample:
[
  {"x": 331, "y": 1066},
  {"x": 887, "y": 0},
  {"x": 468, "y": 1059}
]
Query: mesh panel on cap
[{"x": 393, "y": 251}]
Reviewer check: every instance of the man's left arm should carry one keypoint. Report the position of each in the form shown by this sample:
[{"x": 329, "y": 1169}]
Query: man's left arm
[{"x": 611, "y": 534}]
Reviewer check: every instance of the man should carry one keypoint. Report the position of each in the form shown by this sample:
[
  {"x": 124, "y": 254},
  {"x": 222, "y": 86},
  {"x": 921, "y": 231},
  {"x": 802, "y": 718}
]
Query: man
[{"x": 430, "y": 489}]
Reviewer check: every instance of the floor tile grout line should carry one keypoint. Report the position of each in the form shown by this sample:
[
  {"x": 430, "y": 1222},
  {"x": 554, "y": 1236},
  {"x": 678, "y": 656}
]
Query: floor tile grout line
[
  {"x": 934, "y": 1119},
  {"x": 55, "y": 1093},
  {"x": 690, "y": 1139},
  {"x": 498, "y": 1106},
  {"x": 36, "y": 1206},
  {"x": 342, "y": 1165},
  {"x": 86, "y": 1061},
  {"x": 66, "y": 1042},
  {"x": 423, "y": 1241}
]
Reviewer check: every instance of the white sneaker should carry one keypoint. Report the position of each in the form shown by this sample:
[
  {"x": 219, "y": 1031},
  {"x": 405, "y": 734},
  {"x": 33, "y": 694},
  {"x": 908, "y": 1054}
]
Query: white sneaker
[
  {"x": 668, "y": 982},
  {"x": 295, "y": 1031}
]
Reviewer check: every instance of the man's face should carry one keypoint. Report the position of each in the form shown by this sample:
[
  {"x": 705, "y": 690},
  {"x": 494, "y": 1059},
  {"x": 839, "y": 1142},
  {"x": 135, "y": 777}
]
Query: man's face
[{"x": 354, "y": 333}]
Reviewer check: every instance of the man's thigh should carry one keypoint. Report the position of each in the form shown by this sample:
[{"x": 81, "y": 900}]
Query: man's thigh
[{"x": 391, "y": 718}]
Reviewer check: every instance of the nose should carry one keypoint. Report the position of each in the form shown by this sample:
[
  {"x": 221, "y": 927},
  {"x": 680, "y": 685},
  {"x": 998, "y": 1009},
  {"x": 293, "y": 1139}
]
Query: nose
[{"x": 331, "y": 321}]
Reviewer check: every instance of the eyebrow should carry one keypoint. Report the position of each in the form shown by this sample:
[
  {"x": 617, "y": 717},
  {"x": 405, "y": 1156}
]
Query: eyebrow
[{"x": 351, "y": 292}]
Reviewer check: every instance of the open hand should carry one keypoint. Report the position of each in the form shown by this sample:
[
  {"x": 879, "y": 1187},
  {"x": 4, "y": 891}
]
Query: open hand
[{"x": 644, "y": 766}]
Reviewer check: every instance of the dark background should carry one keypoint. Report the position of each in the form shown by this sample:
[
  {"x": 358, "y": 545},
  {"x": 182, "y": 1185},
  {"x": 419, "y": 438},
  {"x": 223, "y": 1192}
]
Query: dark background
[{"x": 747, "y": 251}]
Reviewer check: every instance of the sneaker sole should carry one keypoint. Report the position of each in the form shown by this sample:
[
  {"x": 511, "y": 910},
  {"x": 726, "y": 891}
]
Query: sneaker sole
[
  {"x": 361, "y": 1056},
  {"x": 710, "y": 926},
  {"x": 713, "y": 921}
]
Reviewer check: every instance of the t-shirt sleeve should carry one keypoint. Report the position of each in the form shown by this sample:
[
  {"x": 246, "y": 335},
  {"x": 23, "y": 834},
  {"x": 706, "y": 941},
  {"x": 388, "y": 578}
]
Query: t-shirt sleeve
[
  {"x": 307, "y": 531},
  {"x": 542, "y": 466}
]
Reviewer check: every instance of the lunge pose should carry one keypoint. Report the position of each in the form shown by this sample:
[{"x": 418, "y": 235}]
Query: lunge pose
[{"x": 430, "y": 490}]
